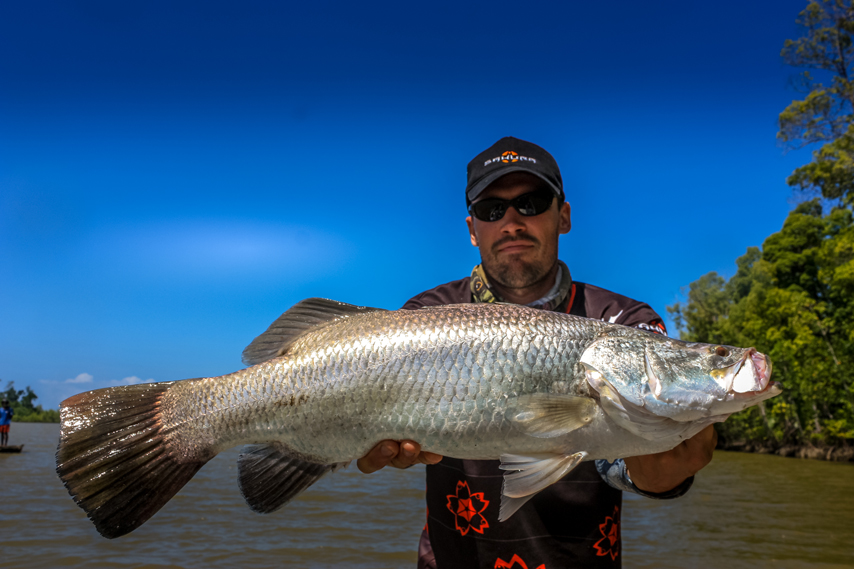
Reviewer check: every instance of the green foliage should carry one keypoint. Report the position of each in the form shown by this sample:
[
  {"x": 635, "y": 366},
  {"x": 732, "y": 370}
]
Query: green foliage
[
  {"x": 21, "y": 402},
  {"x": 794, "y": 301},
  {"x": 825, "y": 114},
  {"x": 832, "y": 170},
  {"x": 38, "y": 416}
]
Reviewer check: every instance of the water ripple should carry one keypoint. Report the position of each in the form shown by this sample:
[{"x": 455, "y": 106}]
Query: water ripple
[{"x": 744, "y": 511}]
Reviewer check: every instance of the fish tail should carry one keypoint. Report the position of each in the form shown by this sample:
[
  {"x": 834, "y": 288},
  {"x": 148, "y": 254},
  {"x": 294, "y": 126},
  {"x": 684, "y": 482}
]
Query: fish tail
[{"x": 115, "y": 459}]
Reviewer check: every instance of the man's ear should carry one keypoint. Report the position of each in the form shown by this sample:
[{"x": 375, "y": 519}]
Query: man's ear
[
  {"x": 470, "y": 223},
  {"x": 565, "y": 220}
]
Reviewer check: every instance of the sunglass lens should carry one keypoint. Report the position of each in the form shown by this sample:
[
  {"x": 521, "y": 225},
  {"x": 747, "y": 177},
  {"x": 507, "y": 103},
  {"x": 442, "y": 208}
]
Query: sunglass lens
[
  {"x": 534, "y": 203},
  {"x": 490, "y": 210},
  {"x": 527, "y": 206},
  {"x": 530, "y": 204}
]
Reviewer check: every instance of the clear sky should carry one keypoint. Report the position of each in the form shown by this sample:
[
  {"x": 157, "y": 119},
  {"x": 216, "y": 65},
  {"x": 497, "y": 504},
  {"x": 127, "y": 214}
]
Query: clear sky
[{"x": 174, "y": 175}]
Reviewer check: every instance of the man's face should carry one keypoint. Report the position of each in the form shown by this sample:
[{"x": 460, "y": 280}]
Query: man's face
[{"x": 518, "y": 251}]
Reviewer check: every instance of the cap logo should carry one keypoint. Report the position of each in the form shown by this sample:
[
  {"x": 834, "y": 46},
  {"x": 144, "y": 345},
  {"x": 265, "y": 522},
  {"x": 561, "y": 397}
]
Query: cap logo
[{"x": 510, "y": 156}]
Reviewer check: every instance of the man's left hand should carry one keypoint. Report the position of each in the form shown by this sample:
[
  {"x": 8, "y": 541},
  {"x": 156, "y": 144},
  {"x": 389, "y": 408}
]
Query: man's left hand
[{"x": 665, "y": 471}]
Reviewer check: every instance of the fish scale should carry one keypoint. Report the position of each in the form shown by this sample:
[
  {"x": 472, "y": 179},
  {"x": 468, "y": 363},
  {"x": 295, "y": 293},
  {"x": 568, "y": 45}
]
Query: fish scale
[{"x": 382, "y": 360}]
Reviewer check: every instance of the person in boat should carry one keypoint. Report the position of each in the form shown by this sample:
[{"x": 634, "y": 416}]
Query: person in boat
[
  {"x": 518, "y": 210},
  {"x": 6, "y": 413}
]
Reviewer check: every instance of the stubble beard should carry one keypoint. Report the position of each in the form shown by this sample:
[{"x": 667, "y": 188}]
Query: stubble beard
[{"x": 516, "y": 273}]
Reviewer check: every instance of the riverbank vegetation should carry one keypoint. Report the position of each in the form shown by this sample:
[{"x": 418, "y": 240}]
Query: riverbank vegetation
[
  {"x": 793, "y": 298},
  {"x": 21, "y": 402}
]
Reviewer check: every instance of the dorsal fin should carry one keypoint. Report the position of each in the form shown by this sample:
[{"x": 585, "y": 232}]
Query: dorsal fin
[{"x": 296, "y": 321}]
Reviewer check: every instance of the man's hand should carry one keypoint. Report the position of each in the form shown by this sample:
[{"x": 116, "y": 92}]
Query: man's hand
[
  {"x": 402, "y": 454},
  {"x": 665, "y": 471}
]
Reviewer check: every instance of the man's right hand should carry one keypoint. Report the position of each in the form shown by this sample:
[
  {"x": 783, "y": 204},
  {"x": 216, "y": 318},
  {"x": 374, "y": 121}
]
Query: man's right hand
[{"x": 399, "y": 454}]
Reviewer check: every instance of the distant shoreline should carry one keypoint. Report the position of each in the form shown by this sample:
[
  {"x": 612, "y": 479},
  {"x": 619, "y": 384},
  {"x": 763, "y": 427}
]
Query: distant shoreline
[
  {"x": 49, "y": 416},
  {"x": 842, "y": 453}
]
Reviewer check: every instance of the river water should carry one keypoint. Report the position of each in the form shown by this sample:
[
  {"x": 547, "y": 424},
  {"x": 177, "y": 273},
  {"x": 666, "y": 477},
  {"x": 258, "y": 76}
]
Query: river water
[{"x": 744, "y": 511}]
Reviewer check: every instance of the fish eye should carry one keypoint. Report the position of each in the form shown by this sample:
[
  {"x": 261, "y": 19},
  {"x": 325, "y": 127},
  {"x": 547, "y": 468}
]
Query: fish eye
[{"x": 721, "y": 351}]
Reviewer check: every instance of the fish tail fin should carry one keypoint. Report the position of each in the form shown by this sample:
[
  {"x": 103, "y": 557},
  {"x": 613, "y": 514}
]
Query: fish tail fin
[{"x": 114, "y": 458}]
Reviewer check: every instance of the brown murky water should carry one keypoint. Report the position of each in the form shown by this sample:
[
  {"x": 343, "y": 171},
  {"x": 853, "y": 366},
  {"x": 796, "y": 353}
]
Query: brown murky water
[{"x": 744, "y": 511}]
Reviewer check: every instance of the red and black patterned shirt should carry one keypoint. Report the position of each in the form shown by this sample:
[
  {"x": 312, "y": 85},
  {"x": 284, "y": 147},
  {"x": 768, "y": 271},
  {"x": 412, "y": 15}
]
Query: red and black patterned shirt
[{"x": 572, "y": 523}]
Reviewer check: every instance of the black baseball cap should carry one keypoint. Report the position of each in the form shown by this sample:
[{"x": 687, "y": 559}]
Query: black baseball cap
[{"x": 511, "y": 155}]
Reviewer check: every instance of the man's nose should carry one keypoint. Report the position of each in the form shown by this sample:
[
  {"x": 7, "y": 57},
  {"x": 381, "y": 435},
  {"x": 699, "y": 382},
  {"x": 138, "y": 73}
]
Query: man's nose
[{"x": 513, "y": 221}]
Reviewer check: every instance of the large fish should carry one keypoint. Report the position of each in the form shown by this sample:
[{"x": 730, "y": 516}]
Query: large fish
[{"x": 541, "y": 391}]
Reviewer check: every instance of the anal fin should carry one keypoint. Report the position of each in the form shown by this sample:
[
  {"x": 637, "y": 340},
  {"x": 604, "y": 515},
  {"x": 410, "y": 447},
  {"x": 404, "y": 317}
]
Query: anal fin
[
  {"x": 269, "y": 476},
  {"x": 532, "y": 474}
]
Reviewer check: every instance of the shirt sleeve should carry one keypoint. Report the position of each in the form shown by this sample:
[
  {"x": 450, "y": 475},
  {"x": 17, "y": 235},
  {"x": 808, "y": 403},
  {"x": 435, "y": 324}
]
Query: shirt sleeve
[
  {"x": 645, "y": 318},
  {"x": 456, "y": 292},
  {"x": 617, "y": 476}
]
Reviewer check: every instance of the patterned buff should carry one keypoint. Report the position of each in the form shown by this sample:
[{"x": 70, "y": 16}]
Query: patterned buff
[{"x": 481, "y": 292}]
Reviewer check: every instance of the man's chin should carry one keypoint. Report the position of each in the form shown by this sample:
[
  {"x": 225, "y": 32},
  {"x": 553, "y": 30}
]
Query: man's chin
[{"x": 516, "y": 273}]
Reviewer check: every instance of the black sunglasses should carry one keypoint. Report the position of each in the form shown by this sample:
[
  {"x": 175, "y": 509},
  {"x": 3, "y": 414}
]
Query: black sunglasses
[{"x": 529, "y": 204}]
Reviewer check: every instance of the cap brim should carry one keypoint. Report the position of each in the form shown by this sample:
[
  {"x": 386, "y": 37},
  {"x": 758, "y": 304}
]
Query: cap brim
[{"x": 476, "y": 190}]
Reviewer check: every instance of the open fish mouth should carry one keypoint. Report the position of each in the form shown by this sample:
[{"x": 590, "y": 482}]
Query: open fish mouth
[{"x": 750, "y": 376}]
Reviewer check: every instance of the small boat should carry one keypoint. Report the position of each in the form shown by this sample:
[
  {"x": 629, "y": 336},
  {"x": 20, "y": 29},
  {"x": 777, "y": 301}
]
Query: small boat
[{"x": 9, "y": 448}]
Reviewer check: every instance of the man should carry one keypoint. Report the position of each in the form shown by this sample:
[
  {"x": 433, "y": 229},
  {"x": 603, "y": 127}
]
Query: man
[
  {"x": 518, "y": 210},
  {"x": 5, "y": 420}
]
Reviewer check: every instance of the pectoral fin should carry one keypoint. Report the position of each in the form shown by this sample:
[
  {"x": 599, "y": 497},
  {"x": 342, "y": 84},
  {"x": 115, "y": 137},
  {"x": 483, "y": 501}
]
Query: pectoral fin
[
  {"x": 531, "y": 474},
  {"x": 547, "y": 415}
]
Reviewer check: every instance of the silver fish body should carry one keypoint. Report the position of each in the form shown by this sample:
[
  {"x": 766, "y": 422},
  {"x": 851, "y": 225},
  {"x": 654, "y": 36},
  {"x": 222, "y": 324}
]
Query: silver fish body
[
  {"x": 540, "y": 390},
  {"x": 442, "y": 376}
]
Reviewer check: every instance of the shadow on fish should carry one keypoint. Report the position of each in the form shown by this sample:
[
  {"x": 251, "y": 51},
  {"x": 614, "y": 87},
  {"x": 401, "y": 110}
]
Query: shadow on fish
[{"x": 540, "y": 391}]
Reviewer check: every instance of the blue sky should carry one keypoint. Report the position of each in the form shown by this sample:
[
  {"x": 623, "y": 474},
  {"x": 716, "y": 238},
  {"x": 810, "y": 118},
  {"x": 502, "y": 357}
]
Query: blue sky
[{"x": 174, "y": 175}]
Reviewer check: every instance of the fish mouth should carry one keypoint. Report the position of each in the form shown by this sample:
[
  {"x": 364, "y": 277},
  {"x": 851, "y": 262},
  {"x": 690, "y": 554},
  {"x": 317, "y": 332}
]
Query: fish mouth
[{"x": 750, "y": 376}]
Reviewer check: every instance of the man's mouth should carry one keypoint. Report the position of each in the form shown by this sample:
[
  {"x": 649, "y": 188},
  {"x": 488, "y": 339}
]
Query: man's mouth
[
  {"x": 515, "y": 248},
  {"x": 514, "y": 245}
]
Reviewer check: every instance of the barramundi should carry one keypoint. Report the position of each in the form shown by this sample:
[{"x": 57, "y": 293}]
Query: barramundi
[{"x": 540, "y": 391}]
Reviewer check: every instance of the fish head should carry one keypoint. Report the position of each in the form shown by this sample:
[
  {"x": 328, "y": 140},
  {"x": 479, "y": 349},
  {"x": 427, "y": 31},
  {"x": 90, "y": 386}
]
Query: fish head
[{"x": 684, "y": 381}]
